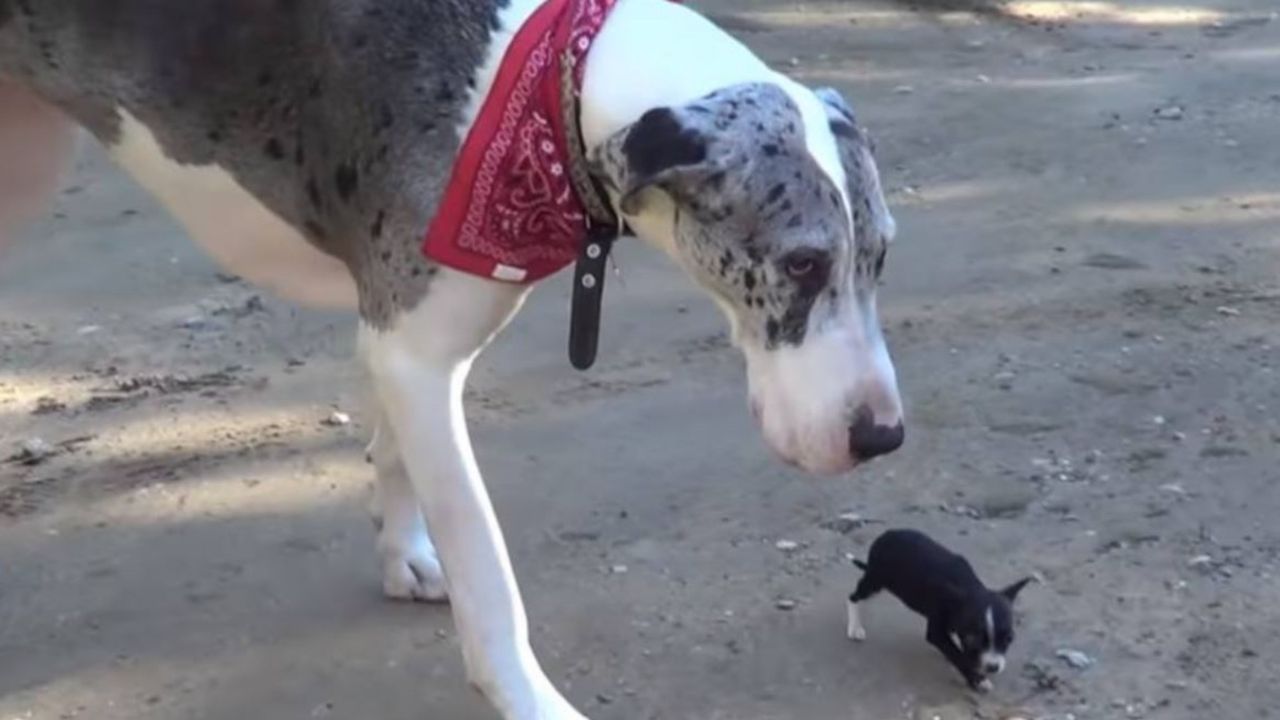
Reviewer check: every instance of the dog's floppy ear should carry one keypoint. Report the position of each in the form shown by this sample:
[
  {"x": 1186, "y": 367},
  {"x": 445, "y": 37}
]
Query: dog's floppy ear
[
  {"x": 1011, "y": 592},
  {"x": 658, "y": 151},
  {"x": 839, "y": 112}
]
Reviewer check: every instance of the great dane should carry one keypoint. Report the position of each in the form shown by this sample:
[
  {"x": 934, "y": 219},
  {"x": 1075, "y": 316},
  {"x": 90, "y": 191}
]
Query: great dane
[{"x": 307, "y": 146}]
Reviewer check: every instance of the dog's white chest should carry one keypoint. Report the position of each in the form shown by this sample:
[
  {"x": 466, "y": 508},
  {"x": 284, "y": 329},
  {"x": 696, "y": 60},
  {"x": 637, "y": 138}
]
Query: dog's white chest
[{"x": 233, "y": 226}]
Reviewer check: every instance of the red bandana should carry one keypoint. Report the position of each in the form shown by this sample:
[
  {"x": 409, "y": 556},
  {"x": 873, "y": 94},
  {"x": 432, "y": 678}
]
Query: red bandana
[{"x": 510, "y": 211}]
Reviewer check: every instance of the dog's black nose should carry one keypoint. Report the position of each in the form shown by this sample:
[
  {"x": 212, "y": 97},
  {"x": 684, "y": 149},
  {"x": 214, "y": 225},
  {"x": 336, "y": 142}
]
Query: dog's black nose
[{"x": 867, "y": 439}]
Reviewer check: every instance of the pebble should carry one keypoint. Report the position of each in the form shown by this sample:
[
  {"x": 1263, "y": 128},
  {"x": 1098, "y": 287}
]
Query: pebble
[
  {"x": 785, "y": 604},
  {"x": 903, "y": 90},
  {"x": 1169, "y": 112},
  {"x": 1200, "y": 561},
  {"x": 1075, "y": 658},
  {"x": 787, "y": 545},
  {"x": 619, "y": 569},
  {"x": 337, "y": 419},
  {"x": 194, "y": 322},
  {"x": 846, "y": 523},
  {"x": 34, "y": 451},
  {"x": 1228, "y": 311}
]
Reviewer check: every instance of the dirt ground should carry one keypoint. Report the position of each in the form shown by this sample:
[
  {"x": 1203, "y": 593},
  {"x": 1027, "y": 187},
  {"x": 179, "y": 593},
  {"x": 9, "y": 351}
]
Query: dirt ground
[{"x": 1083, "y": 304}]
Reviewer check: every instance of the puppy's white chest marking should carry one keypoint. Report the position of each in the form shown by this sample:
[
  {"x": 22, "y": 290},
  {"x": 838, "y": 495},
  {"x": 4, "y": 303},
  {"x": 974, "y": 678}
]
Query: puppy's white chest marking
[{"x": 233, "y": 226}]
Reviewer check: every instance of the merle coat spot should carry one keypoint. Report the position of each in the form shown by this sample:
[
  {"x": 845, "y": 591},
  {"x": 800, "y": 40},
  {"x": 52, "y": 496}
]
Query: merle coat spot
[
  {"x": 346, "y": 179},
  {"x": 274, "y": 149}
]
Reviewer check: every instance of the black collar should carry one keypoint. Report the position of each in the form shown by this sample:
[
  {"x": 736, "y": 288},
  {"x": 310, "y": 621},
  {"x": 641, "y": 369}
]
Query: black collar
[{"x": 604, "y": 226}]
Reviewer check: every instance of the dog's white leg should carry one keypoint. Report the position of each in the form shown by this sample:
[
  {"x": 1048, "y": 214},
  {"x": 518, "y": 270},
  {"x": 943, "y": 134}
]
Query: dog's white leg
[
  {"x": 853, "y": 627},
  {"x": 419, "y": 368},
  {"x": 410, "y": 566}
]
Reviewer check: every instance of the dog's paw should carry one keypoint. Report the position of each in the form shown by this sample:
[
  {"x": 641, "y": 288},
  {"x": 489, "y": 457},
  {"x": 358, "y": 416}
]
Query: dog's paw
[
  {"x": 857, "y": 634},
  {"x": 983, "y": 686},
  {"x": 413, "y": 573}
]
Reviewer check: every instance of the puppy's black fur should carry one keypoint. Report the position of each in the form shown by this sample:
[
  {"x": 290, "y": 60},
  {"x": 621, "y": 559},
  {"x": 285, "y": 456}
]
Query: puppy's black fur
[{"x": 969, "y": 623}]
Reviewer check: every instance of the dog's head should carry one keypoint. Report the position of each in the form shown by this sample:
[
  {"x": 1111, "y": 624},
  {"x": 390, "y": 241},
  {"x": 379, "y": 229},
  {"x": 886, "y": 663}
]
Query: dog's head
[
  {"x": 982, "y": 625},
  {"x": 768, "y": 195}
]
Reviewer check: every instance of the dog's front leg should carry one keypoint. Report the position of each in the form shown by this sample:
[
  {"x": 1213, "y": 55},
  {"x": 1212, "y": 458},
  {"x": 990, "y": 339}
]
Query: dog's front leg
[
  {"x": 419, "y": 367},
  {"x": 940, "y": 638}
]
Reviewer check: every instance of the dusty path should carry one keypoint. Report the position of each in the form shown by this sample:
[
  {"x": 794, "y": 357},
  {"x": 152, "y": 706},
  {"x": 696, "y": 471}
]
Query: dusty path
[{"x": 1084, "y": 306}]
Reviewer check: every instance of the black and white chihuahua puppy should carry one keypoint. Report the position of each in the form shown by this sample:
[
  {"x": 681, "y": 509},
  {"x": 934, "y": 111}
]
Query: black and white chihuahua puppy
[{"x": 969, "y": 623}]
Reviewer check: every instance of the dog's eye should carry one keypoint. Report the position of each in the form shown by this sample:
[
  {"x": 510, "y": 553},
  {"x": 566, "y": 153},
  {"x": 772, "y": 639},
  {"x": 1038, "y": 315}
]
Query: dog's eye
[
  {"x": 800, "y": 267},
  {"x": 808, "y": 268}
]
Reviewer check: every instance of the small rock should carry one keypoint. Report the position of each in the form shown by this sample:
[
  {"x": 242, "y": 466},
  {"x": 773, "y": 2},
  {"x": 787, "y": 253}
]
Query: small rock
[
  {"x": 845, "y": 523},
  {"x": 88, "y": 329},
  {"x": 194, "y": 322},
  {"x": 983, "y": 79},
  {"x": 1158, "y": 420},
  {"x": 1179, "y": 436},
  {"x": 1169, "y": 112},
  {"x": 1075, "y": 658},
  {"x": 337, "y": 419},
  {"x": 903, "y": 90},
  {"x": 1174, "y": 489},
  {"x": 785, "y": 604},
  {"x": 619, "y": 569},
  {"x": 1200, "y": 561},
  {"x": 787, "y": 545},
  {"x": 1228, "y": 311},
  {"x": 604, "y": 699},
  {"x": 33, "y": 452}
]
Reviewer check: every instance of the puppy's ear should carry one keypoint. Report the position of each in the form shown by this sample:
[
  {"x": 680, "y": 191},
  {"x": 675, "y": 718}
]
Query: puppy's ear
[
  {"x": 1011, "y": 592},
  {"x": 659, "y": 151}
]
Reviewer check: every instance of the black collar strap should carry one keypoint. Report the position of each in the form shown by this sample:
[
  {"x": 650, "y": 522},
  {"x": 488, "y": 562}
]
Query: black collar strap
[{"x": 604, "y": 226}]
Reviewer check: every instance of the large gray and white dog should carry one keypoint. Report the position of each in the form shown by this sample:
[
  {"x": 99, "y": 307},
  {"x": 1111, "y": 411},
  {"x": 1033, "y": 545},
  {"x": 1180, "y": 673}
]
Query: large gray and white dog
[{"x": 305, "y": 145}]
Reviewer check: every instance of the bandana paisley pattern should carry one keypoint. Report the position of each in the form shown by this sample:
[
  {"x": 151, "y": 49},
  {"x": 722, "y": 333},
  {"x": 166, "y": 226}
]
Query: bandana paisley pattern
[{"x": 510, "y": 211}]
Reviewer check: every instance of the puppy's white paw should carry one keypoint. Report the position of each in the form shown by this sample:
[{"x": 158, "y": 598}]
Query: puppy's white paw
[
  {"x": 857, "y": 634},
  {"x": 985, "y": 686},
  {"x": 411, "y": 571}
]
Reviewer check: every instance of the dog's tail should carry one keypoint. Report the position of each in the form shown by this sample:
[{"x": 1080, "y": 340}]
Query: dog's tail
[{"x": 861, "y": 565}]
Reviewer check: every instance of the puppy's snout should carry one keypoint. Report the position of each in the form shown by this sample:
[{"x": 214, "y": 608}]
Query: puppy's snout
[
  {"x": 868, "y": 438},
  {"x": 993, "y": 666}
]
